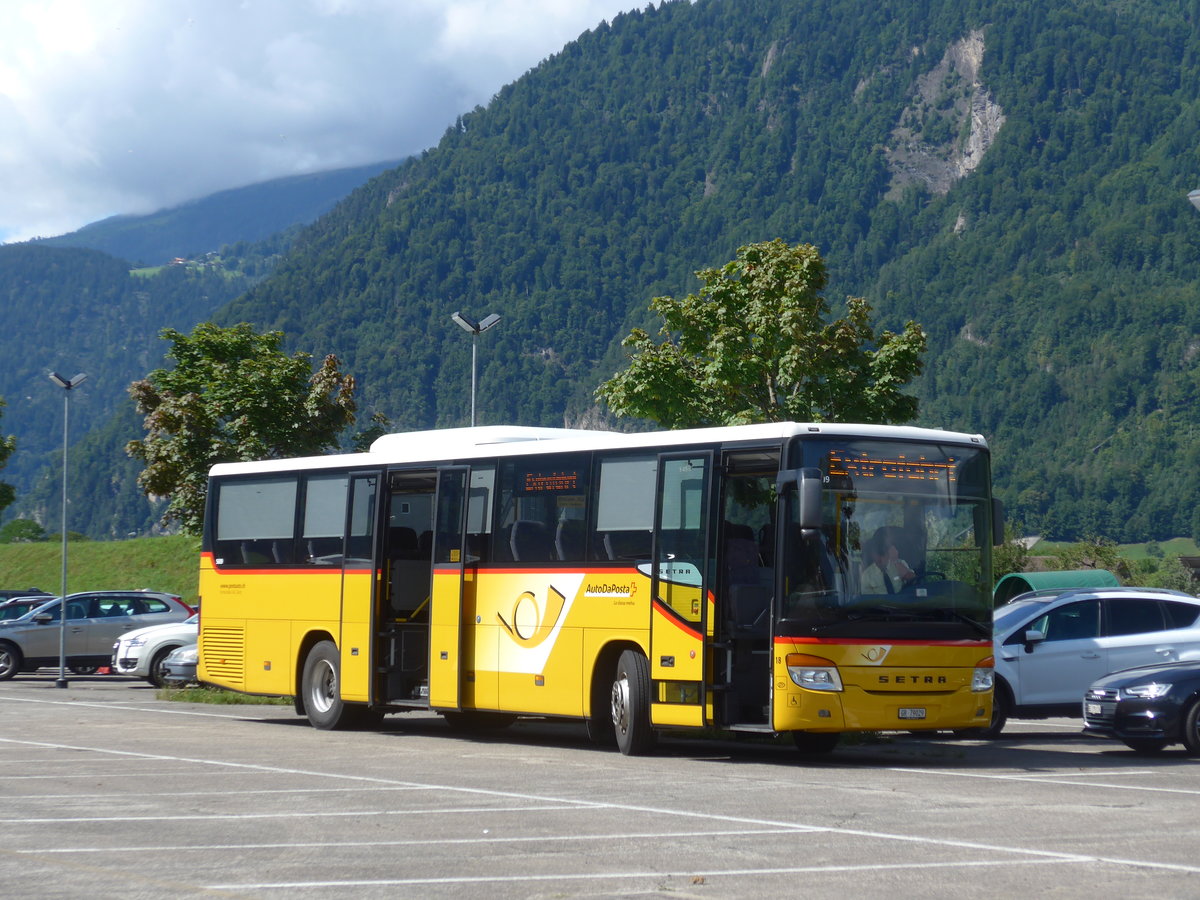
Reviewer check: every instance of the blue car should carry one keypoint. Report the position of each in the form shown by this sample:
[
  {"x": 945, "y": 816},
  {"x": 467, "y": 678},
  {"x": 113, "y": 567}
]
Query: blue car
[{"x": 1148, "y": 707}]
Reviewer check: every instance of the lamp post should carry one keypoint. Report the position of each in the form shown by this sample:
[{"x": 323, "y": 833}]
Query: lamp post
[
  {"x": 66, "y": 384},
  {"x": 476, "y": 329}
]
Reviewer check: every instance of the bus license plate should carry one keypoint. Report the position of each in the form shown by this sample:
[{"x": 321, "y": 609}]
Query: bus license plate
[{"x": 912, "y": 712}]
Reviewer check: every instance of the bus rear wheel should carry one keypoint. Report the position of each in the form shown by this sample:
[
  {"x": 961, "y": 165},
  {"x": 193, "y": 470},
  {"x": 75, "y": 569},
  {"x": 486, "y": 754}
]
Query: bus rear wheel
[
  {"x": 631, "y": 704},
  {"x": 320, "y": 686}
]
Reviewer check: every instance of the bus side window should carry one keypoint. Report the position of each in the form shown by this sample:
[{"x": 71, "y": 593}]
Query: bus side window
[{"x": 255, "y": 521}]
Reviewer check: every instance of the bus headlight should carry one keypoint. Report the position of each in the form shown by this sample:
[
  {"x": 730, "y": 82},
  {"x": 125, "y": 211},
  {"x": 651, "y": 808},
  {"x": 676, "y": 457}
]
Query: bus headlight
[
  {"x": 984, "y": 677},
  {"x": 813, "y": 672}
]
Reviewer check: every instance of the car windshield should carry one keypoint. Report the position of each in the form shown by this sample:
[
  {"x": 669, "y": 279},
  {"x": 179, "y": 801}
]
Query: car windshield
[
  {"x": 1008, "y": 615},
  {"x": 17, "y": 608}
]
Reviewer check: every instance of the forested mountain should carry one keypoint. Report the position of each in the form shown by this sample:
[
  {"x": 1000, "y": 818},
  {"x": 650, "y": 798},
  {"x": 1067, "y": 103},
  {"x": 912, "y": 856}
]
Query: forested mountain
[
  {"x": 1010, "y": 173},
  {"x": 250, "y": 213}
]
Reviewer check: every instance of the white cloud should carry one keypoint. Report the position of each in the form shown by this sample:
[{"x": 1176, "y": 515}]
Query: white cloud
[{"x": 128, "y": 106}]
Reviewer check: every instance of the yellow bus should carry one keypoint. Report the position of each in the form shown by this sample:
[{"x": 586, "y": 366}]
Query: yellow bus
[{"x": 811, "y": 579}]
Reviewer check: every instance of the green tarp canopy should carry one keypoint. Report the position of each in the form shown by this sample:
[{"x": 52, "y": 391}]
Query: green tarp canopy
[{"x": 1020, "y": 582}]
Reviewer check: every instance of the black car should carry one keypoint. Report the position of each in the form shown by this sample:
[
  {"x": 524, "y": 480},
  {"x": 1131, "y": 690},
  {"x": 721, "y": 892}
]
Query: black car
[{"x": 1147, "y": 707}]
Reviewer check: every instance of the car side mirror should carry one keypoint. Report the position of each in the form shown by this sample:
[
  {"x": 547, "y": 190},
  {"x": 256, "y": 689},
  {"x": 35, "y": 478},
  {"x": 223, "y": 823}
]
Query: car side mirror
[
  {"x": 1032, "y": 639},
  {"x": 43, "y": 618}
]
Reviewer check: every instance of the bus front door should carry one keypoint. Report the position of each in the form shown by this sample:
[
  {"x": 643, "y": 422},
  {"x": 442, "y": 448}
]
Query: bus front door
[
  {"x": 446, "y": 599},
  {"x": 680, "y": 591}
]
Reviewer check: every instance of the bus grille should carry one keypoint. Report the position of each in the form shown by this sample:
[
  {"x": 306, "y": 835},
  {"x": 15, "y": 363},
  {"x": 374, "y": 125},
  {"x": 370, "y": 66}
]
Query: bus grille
[{"x": 224, "y": 654}]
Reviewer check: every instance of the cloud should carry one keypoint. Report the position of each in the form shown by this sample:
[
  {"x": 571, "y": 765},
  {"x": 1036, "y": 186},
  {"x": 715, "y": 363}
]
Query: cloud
[{"x": 128, "y": 106}]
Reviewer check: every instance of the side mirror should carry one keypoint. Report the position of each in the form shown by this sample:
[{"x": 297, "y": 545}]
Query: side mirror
[
  {"x": 44, "y": 618},
  {"x": 997, "y": 521},
  {"x": 810, "y": 498},
  {"x": 1032, "y": 639}
]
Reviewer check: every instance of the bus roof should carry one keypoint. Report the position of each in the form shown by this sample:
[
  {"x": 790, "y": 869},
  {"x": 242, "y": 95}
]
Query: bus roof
[{"x": 447, "y": 444}]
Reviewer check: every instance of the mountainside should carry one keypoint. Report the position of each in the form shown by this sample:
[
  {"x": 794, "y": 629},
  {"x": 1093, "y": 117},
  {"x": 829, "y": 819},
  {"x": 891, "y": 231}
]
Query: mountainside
[
  {"x": 1010, "y": 173},
  {"x": 249, "y": 213},
  {"x": 69, "y": 307}
]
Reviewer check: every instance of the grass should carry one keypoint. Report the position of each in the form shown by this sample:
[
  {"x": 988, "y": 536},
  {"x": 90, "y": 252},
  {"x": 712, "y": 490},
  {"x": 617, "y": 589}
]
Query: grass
[
  {"x": 219, "y": 696},
  {"x": 169, "y": 564}
]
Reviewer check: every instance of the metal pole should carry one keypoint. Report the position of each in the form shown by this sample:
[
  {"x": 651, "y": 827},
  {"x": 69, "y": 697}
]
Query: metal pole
[
  {"x": 62, "y": 604},
  {"x": 474, "y": 341}
]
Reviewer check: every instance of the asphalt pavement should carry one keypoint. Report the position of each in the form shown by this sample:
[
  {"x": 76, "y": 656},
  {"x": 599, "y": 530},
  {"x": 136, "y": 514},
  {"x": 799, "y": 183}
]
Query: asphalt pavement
[{"x": 107, "y": 789}]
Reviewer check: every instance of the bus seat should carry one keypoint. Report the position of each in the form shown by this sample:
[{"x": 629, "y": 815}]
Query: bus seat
[
  {"x": 402, "y": 543},
  {"x": 569, "y": 539},
  {"x": 748, "y": 609},
  {"x": 627, "y": 544},
  {"x": 529, "y": 541}
]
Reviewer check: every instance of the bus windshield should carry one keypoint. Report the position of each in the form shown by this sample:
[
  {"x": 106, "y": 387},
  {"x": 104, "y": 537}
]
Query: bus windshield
[{"x": 903, "y": 547}]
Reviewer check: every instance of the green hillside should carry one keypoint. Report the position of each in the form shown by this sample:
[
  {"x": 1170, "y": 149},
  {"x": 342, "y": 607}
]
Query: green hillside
[
  {"x": 159, "y": 564},
  {"x": 1010, "y": 173}
]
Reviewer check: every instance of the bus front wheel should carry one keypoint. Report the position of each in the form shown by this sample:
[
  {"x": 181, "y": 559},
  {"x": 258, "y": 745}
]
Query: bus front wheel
[
  {"x": 321, "y": 688},
  {"x": 631, "y": 704}
]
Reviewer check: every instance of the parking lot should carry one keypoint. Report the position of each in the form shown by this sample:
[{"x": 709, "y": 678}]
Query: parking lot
[{"x": 109, "y": 790}]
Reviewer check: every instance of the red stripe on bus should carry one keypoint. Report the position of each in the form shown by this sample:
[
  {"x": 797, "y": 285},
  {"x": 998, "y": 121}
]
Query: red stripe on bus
[
  {"x": 675, "y": 619},
  {"x": 872, "y": 642}
]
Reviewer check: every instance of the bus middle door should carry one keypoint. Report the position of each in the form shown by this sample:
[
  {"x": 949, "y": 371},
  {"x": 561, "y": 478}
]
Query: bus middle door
[
  {"x": 679, "y": 589},
  {"x": 446, "y": 598}
]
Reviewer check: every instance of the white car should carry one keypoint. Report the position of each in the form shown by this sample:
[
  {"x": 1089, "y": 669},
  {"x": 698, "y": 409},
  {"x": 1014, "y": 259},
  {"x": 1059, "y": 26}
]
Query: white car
[
  {"x": 142, "y": 653},
  {"x": 1050, "y": 649}
]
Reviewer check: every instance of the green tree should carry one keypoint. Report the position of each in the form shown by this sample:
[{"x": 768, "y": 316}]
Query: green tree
[
  {"x": 755, "y": 345},
  {"x": 22, "y": 531},
  {"x": 232, "y": 395},
  {"x": 7, "y": 446},
  {"x": 1093, "y": 553},
  {"x": 1011, "y": 556}
]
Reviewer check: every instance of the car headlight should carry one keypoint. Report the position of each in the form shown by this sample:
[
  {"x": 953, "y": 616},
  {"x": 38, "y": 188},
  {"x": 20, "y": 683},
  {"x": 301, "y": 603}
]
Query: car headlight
[
  {"x": 813, "y": 672},
  {"x": 135, "y": 642},
  {"x": 1146, "y": 691}
]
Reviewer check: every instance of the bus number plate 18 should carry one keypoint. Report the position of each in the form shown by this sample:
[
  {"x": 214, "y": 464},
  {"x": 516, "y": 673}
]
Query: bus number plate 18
[{"x": 912, "y": 712}]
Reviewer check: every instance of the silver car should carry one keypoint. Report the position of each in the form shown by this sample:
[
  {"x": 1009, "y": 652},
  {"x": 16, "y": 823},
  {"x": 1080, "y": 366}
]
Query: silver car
[{"x": 95, "y": 620}]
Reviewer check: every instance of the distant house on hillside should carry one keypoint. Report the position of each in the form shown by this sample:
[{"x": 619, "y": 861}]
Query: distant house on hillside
[{"x": 1192, "y": 564}]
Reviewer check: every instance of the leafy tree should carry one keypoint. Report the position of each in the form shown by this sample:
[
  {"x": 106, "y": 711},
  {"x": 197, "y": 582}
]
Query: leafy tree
[
  {"x": 22, "y": 531},
  {"x": 755, "y": 345},
  {"x": 1010, "y": 556},
  {"x": 7, "y": 446},
  {"x": 1093, "y": 553},
  {"x": 232, "y": 395}
]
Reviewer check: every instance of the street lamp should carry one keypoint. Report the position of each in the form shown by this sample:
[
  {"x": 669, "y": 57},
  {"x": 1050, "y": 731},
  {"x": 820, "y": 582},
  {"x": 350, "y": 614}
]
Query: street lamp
[
  {"x": 476, "y": 329},
  {"x": 66, "y": 384},
  {"x": 1194, "y": 196}
]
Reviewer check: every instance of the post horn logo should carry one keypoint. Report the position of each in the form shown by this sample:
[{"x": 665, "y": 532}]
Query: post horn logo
[{"x": 532, "y": 620}]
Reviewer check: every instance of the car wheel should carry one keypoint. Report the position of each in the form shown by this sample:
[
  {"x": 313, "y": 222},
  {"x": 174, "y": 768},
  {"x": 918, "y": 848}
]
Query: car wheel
[
  {"x": 10, "y": 660},
  {"x": 1191, "y": 729},
  {"x": 157, "y": 676},
  {"x": 1144, "y": 745},
  {"x": 631, "y": 704}
]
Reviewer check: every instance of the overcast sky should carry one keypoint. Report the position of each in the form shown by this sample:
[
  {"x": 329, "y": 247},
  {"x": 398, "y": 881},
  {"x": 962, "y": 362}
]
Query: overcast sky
[{"x": 128, "y": 106}]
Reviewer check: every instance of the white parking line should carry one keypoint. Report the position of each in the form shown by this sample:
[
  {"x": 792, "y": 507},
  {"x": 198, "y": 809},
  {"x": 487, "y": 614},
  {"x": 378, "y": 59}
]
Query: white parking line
[
  {"x": 688, "y": 878},
  {"x": 540, "y": 840},
  {"x": 1049, "y": 778},
  {"x": 1027, "y": 854}
]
